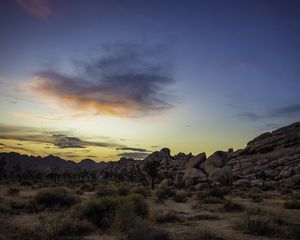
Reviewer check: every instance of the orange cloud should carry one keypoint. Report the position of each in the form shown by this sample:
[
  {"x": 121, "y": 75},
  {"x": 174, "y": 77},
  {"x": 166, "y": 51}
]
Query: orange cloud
[{"x": 37, "y": 8}]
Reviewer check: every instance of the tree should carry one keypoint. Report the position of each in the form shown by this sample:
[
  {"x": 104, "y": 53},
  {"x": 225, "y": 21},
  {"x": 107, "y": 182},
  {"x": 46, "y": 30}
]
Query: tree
[{"x": 151, "y": 168}]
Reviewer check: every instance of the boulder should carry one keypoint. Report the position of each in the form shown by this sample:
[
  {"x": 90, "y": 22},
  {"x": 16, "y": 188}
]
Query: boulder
[
  {"x": 216, "y": 160},
  {"x": 164, "y": 184},
  {"x": 257, "y": 182},
  {"x": 293, "y": 181},
  {"x": 201, "y": 186},
  {"x": 193, "y": 173},
  {"x": 194, "y": 162},
  {"x": 242, "y": 182},
  {"x": 223, "y": 175}
]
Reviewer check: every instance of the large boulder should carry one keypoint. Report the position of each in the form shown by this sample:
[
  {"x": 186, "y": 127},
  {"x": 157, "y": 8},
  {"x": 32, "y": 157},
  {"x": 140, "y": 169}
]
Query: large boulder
[
  {"x": 194, "y": 162},
  {"x": 193, "y": 173},
  {"x": 192, "y": 176},
  {"x": 222, "y": 175},
  {"x": 216, "y": 160}
]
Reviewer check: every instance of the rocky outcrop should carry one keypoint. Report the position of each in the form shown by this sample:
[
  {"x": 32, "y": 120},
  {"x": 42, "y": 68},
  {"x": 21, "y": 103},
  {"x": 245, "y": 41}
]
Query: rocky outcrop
[
  {"x": 270, "y": 156},
  {"x": 269, "y": 159}
]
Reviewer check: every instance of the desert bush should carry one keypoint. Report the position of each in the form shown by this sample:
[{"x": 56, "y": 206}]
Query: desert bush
[
  {"x": 141, "y": 190},
  {"x": 203, "y": 234},
  {"x": 51, "y": 227},
  {"x": 87, "y": 187},
  {"x": 205, "y": 216},
  {"x": 140, "y": 206},
  {"x": 26, "y": 183},
  {"x": 55, "y": 197},
  {"x": 58, "y": 226},
  {"x": 112, "y": 211},
  {"x": 231, "y": 206},
  {"x": 149, "y": 233},
  {"x": 123, "y": 190},
  {"x": 256, "y": 224},
  {"x": 215, "y": 192},
  {"x": 180, "y": 196},
  {"x": 13, "y": 191},
  {"x": 292, "y": 204},
  {"x": 107, "y": 190},
  {"x": 165, "y": 193},
  {"x": 213, "y": 200},
  {"x": 170, "y": 217},
  {"x": 256, "y": 198},
  {"x": 125, "y": 217}
]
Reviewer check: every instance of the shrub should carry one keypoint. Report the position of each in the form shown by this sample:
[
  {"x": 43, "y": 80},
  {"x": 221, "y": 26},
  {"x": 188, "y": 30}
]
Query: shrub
[
  {"x": 205, "y": 216},
  {"x": 180, "y": 196},
  {"x": 256, "y": 222},
  {"x": 26, "y": 183},
  {"x": 141, "y": 190},
  {"x": 204, "y": 234},
  {"x": 112, "y": 211},
  {"x": 212, "y": 200},
  {"x": 292, "y": 204},
  {"x": 87, "y": 187},
  {"x": 256, "y": 197},
  {"x": 56, "y": 197},
  {"x": 140, "y": 206},
  {"x": 165, "y": 193},
  {"x": 63, "y": 225},
  {"x": 13, "y": 191},
  {"x": 215, "y": 192},
  {"x": 107, "y": 190},
  {"x": 233, "y": 206},
  {"x": 149, "y": 233},
  {"x": 100, "y": 211},
  {"x": 171, "y": 216},
  {"x": 125, "y": 217},
  {"x": 123, "y": 190}
]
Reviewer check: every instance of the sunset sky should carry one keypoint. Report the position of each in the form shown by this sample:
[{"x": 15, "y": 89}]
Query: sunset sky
[{"x": 103, "y": 79}]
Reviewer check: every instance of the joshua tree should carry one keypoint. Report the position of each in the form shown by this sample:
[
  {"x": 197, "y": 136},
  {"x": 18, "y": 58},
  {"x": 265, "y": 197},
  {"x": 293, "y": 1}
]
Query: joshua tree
[{"x": 151, "y": 168}]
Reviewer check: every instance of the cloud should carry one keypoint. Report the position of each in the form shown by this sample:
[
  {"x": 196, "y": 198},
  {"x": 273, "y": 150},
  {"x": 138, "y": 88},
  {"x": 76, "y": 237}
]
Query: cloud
[
  {"x": 134, "y": 155},
  {"x": 289, "y": 111},
  {"x": 249, "y": 116},
  {"x": 132, "y": 149},
  {"x": 37, "y": 8},
  {"x": 60, "y": 140},
  {"x": 127, "y": 80}
]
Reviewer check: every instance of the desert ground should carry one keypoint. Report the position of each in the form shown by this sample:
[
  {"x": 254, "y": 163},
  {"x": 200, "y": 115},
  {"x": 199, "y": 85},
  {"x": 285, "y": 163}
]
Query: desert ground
[{"x": 122, "y": 210}]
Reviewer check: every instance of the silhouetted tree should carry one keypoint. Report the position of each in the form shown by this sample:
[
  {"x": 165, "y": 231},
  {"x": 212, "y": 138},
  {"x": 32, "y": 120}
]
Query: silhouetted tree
[{"x": 151, "y": 168}]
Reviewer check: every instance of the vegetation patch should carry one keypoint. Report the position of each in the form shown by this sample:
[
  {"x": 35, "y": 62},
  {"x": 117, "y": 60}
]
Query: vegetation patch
[{"x": 56, "y": 197}]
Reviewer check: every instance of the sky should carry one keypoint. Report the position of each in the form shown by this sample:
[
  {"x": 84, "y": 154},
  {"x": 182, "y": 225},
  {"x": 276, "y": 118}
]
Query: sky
[{"x": 105, "y": 79}]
